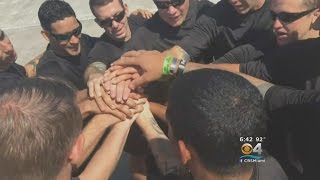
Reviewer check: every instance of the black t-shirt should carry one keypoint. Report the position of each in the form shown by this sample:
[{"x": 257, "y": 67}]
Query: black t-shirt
[
  {"x": 222, "y": 29},
  {"x": 12, "y": 75},
  {"x": 160, "y": 36},
  {"x": 70, "y": 68},
  {"x": 107, "y": 50}
]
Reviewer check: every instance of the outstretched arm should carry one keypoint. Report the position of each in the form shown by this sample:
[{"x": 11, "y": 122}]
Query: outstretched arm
[
  {"x": 165, "y": 154},
  {"x": 106, "y": 158},
  {"x": 93, "y": 132}
]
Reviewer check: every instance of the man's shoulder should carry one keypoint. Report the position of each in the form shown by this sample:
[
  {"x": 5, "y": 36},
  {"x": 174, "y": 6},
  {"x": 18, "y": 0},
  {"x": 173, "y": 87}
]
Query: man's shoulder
[
  {"x": 136, "y": 21},
  {"x": 88, "y": 40},
  {"x": 202, "y": 5},
  {"x": 15, "y": 70},
  {"x": 48, "y": 57},
  {"x": 305, "y": 48}
]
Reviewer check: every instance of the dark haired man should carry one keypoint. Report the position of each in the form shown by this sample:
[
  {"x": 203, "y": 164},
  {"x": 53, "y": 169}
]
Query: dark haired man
[
  {"x": 113, "y": 17},
  {"x": 173, "y": 21},
  {"x": 208, "y": 111},
  {"x": 228, "y": 24},
  {"x": 41, "y": 134},
  {"x": 67, "y": 53}
]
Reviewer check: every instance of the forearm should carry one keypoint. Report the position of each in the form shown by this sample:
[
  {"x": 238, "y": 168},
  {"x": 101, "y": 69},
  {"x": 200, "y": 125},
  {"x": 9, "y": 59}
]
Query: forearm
[
  {"x": 94, "y": 68},
  {"x": 87, "y": 107},
  {"x": 84, "y": 110},
  {"x": 82, "y": 95},
  {"x": 165, "y": 154},
  {"x": 158, "y": 110},
  {"x": 105, "y": 160},
  {"x": 93, "y": 132},
  {"x": 226, "y": 67},
  {"x": 262, "y": 85}
]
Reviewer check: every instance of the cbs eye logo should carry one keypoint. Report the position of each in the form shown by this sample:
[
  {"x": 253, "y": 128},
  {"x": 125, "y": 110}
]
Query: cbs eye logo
[{"x": 246, "y": 148}]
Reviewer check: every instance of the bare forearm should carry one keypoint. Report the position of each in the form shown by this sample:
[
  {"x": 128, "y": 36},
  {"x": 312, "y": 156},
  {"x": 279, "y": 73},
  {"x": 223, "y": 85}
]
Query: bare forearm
[
  {"x": 165, "y": 154},
  {"x": 262, "y": 86},
  {"x": 105, "y": 160},
  {"x": 93, "y": 132},
  {"x": 84, "y": 110},
  {"x": 227, "y": 67},
  {"x": 82, "y": 95},
  {"x": 159, "y": 111},
  {"x": 87, "y": 107}
]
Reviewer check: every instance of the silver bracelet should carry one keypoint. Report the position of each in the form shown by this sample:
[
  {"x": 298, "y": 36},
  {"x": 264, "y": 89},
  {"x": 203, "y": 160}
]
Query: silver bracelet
[
  {"x": 173, "y": 66},
  {"x": 181, "y": 67}
]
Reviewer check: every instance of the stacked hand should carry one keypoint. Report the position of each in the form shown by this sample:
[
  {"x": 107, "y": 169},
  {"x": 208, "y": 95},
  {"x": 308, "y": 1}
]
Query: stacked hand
[
  {"x": 105, "y": 102},
  {"x": 133, "y": 70}
]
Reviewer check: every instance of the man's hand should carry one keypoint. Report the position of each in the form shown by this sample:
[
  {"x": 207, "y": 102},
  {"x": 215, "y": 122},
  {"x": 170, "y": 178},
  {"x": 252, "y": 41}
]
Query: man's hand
[
  {"x": 148, "y": 64},
  {"x": 94, "y": 84},
  {"x": 144, "y": 13},
  {"x": 118, "y": 88}
]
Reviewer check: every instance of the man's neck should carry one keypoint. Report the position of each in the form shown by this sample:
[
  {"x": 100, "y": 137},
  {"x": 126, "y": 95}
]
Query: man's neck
[
  {"x": 128, "y": 35},
  {"x": 65, "y": 173}
]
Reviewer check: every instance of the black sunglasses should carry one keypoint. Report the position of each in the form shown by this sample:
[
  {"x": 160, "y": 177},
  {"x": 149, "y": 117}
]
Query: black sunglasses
[
  {"x": 108, "y": 22},
  {"x": 290, "y": 17},
  {"x": 167, "y": 4},
  {"x": 66, "y": 37}
]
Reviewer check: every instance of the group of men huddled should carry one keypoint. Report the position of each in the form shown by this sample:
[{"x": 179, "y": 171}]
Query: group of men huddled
[{"x": 181, "y": 91}]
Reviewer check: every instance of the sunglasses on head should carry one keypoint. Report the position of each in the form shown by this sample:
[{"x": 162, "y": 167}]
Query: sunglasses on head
[
  {"x": 290, "y": 17},
  {"x": 108, "y": 22},
  {"x": 67, "y": 36},
  {"x": 167, "y": 4}
]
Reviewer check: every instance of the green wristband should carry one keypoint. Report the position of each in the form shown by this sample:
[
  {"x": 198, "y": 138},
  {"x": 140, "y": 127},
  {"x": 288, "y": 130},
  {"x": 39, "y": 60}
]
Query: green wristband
[{"x": 166, "y": 65}]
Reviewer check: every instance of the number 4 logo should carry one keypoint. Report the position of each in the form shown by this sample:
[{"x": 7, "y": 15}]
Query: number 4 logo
[{"x": 258, "y": 149}]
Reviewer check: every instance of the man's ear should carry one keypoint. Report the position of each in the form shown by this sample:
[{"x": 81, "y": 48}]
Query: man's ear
[
  {"x": 45, "y": 35},
  {"x": 185, "y": 152},
  {"x": 315, "y": 19},
  {"x": 125, "y": 6},
  {"x": 76, "y": 150}
]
